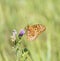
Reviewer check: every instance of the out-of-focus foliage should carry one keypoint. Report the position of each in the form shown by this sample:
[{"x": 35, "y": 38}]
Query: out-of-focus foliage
[{"x": 16, "y": 14}]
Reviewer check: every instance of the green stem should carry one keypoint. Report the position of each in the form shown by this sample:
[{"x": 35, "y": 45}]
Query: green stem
[{"x": 18, "y": 51}]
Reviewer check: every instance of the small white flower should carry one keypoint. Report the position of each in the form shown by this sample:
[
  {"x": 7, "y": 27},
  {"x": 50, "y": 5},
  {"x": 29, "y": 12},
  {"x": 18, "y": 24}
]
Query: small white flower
[{"x": 13, "y": 37}]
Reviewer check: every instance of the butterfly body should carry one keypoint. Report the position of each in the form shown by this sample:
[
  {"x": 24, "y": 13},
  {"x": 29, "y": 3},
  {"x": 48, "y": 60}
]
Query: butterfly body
[{"x": 34, "y": 30}]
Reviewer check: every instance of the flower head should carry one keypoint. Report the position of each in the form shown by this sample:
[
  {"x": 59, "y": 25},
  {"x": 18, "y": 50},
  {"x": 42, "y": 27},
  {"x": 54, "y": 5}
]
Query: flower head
[
  {"x": 13, "y": 36},
  {"x": 14, "y": 32},
  {"x": 21, "y": 33}
]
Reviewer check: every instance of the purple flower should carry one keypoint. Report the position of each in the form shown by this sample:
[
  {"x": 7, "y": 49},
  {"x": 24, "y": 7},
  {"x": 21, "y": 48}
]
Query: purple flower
[{"x": 22, "y": 32}]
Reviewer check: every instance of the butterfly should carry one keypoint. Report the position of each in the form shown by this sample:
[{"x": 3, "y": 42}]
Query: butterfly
[{"x": 33, "y": 31}]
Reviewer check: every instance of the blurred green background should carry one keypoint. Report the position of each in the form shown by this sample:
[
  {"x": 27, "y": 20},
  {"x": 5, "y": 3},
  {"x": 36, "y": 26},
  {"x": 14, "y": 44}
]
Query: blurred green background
[{"x": 16, "y": 14}]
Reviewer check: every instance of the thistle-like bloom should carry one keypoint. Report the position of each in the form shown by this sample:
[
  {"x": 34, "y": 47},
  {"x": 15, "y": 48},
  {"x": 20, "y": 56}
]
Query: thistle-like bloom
[
  {"x": 21, "y": 33},
  {"x": 14, "y": 32},
  {"x": 13, "y": 37}
]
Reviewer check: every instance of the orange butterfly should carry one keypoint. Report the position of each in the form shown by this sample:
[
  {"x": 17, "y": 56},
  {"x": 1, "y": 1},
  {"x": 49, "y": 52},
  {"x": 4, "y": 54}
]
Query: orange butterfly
[{"x": 34, "y": 30}]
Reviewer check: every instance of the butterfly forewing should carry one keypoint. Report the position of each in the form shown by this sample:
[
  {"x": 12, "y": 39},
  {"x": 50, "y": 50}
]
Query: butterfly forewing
[{"x": 34, "y": 30}]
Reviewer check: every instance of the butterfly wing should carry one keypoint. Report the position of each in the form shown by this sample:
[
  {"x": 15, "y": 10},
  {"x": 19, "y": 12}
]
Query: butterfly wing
[
  {"x": 34, "y": 30},
  {"x": 30, "y": 33}
]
